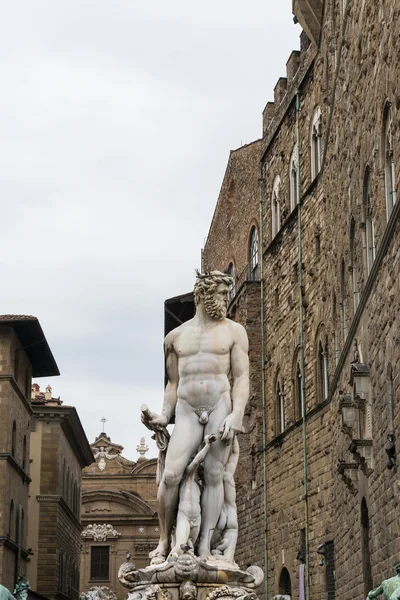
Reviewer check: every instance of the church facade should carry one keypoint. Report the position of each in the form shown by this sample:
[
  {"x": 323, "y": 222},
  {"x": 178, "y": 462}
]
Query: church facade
[
  {"x": 307, "y": 221},
  {"x": 118, "y": 514}
]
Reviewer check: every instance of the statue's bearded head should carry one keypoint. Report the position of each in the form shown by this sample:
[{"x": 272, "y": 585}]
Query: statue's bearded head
[{"x": 212, "y": 289}]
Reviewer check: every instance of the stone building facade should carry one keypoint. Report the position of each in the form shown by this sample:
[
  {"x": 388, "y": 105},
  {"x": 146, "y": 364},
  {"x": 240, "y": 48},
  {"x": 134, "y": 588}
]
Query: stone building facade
[
  {"x": 119, "y": 514},
  {"x": 59, "y": 450},
  {"x": 24, "y": 352},
  {"x": 318, "y": 483}
]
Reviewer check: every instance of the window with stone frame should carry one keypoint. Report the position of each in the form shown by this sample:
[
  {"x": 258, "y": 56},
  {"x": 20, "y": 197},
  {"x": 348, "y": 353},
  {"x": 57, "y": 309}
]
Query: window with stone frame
[
  {"x": 335, "y": 332},
  {"x": 330, "y": 584},
  {"x": 294, "y": 181},
  {"x": 297, "y": 386},
  {"x": 280, "y": 406},
  {"x": 24, "y": 454},
  {"x": 100, "y": 563},
  {"x": 253, "y": 255},
  {"x": 343, "y": 300},
  {"x": 285, "y": 584},
  {"x": 14, "y": 439},
  {"x": 61, "y": 571},
  {"x": 388, "y": 159},
  {"x": 391, "y": 399},
  {"x": 316, "y": 144},
  {"x": 368, "y": 222},
  {"x": 353, "y": 267},
  {"x": 276, "y": 207},
  {"x": 232, "y": 272},
  {"x": 365, "y": 548},
  {"x": 11, "y": 520},
  {"x": 322, "y": 374}
]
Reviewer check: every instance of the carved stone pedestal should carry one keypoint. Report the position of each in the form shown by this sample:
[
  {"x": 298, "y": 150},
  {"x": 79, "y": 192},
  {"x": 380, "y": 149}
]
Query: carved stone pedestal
[{"x": 189, "y": 578}]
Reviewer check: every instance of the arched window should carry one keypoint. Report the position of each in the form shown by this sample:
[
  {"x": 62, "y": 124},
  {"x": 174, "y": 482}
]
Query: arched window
[
  {"x": 387, "y": 153},
  {"x": 74, "y": 500},
  {"x": 67, "y": 488},
  {"x": 390, "y": 397},
  {"x": 335, "y": 333},
  {"x": 11, "y": 520},
  {"x": 285, "y": 584},
  {"x": 322, "y": 371},
  {"x": 253, "y": 255},
  {"x": 63, "y": 480},
  {"x": 276, "y": 207},
  {"x": 368, "y": 221},
  {"x": 294, "y": 182},
  {"x": 297, "y": 384},
  {"x": 231, "y": 271},
  {"x": 70, "y": 491},
  {"x": 22, "y": 532},
  {"x": 78, "y": 511},
  {"x": 316, "y": 144},
  {"x": 14, "y": 439},
  {"x": 24, "y": 457},
  {"x": 60, "y": 571},
  {"x": 280, "y": 407},
  {"x": 343, "y": 299},
  {"x": 365, "y": 549},
  {"x": 353, "y": 267}
]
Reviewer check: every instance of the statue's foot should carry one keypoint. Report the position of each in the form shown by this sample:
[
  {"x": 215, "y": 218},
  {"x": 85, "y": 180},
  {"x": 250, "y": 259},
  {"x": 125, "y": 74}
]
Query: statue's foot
[
  {"x": 159, "y": 555},
  {"x": 158, "y": 560},
  {"x": 204, "y": 553}
]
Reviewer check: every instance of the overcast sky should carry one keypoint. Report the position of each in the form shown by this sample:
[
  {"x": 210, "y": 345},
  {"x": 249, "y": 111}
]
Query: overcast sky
[{"x": 116, "y": 122}]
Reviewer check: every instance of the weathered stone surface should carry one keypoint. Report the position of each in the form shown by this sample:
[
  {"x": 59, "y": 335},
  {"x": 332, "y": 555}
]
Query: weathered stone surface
[{"x": 336, "y": 277}]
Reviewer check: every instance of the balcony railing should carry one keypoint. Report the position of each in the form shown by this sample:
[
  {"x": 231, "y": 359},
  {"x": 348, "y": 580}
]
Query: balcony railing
[{"x": 251, "y": 272}]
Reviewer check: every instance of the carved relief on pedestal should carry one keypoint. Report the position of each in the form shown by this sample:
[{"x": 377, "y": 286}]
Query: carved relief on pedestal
[{"x": 99, "y": 532}]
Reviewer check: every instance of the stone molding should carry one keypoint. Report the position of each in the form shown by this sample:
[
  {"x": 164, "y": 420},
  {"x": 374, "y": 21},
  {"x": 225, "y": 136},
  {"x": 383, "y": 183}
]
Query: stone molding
[{"x": 100, "y": 532}]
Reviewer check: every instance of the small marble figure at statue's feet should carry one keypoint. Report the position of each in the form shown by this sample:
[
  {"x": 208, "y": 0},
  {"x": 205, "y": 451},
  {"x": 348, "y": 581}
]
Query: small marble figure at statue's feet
[{"x": 159, "y": 555}]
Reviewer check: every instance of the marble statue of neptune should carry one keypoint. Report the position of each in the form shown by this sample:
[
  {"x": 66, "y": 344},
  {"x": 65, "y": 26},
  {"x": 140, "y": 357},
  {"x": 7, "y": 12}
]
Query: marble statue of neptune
[{"x": 208, "y": 387}]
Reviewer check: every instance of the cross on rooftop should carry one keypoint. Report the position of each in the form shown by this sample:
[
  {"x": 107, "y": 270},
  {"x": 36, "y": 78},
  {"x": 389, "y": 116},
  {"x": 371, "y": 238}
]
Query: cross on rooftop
[{"x": 103, "y": 420}]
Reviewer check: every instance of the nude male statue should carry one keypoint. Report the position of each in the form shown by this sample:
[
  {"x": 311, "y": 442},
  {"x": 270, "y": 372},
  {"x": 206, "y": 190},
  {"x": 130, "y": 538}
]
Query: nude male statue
[{"x": 200, "y": 356}]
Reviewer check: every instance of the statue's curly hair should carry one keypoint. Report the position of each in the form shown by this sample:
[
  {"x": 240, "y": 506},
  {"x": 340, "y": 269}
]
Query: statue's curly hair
[{"x": 208, "y": 282}]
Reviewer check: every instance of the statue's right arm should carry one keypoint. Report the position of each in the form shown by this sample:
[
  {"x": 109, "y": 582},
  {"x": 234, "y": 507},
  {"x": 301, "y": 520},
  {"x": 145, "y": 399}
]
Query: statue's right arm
[
  {"x": 171, "y": 367},
  {"x": 375, "y": 593}
]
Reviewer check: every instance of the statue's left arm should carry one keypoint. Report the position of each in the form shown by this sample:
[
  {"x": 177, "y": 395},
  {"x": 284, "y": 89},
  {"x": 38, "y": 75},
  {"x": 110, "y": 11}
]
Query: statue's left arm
[{"x": 240, "y": 386}]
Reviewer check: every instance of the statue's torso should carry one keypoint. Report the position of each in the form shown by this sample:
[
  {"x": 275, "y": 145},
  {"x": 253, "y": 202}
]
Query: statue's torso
[{"x": 203, "y": 363}]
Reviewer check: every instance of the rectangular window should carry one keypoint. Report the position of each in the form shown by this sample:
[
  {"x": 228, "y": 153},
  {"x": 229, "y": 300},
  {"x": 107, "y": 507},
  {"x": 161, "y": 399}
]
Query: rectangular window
[
  {"x": 330, "y": 571},
  {"x": 100, "y": 563}
]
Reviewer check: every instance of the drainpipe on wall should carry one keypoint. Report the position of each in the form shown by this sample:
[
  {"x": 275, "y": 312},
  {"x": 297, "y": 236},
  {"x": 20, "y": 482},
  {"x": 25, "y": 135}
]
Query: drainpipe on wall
[
  {"x": 264, "y": 408},
  {"x": 302, "y": 360}
]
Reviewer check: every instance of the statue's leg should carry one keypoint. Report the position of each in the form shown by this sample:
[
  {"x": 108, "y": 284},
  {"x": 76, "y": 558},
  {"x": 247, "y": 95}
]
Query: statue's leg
[
  {"x": 212, "y": 497},
  {"x": 185, "y": 439},
  {"x": 182, "y": 532}
]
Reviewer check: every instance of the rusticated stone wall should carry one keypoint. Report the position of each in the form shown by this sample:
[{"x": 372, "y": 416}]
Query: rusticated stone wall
[{"x": 352, "y": 503}]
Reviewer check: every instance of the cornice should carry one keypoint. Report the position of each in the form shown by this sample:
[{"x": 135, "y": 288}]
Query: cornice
[
  {"x": 57, "y": 499},
  {"x": 72, "y": 427}
]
